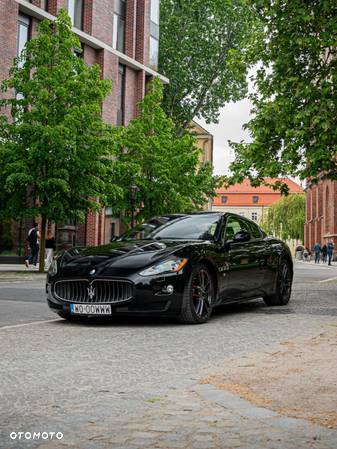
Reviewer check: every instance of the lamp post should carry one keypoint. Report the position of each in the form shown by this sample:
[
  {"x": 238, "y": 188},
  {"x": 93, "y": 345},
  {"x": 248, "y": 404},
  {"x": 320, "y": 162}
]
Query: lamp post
[{"x": 133, "y": 192}]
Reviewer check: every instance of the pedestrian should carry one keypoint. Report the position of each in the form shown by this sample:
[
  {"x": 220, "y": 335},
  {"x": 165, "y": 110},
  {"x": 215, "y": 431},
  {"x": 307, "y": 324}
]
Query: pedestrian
[
  {"x": 309, "y": 257},
  {"x": 33, "y": 241},
  {"x": 306, "y": 255},
  {"x": 317, "y": 251},
  {"x": 324, "y": 252},
  {"x": 50, "y": 248},
  {"x": 330, "y": 249}
]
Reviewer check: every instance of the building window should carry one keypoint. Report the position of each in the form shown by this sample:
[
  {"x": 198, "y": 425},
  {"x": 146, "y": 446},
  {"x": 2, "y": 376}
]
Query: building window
[
  {"x": 44, "y": 5},
  {"x": 118, "y": 30},
  {"x": 154, "y": 33},
  {"x": 22, "y": 33},
  {"x": 121, "y": 95},
  {"x": 155, "y": 8},
  {"x": 255, "y": 199},
  {"x": 224, "y": 199},
  {"x": 254, "y": 216},
  {"x": 75, "y": 11}
]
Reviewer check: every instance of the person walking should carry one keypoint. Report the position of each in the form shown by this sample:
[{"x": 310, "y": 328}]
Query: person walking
[
  {"x": 324, "y": 252},
  {"x": 331, "y": 248},
  {"x": 33, "y": 241},
  {"x": 306, "y": 255},
  {"x": 317, "y": 251},
  {"x": 50, "y": 248}
]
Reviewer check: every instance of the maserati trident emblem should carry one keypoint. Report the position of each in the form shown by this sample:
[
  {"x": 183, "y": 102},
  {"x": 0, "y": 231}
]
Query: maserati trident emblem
[{"x": 91, "y": 292}]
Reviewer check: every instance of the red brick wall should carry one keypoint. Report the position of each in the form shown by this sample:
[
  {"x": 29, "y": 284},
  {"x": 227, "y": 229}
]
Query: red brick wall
[
  {"x": 142, "y": 44},
  {"x": 92, "y": 234},
  {"x": 321, "y": 211},
  {"x": 109, "y": 64},
  {"x": 87, "y": 16},
  {"x": 130, "y": 28},
  {"x": 8, "y": 36},
  {"x": 131, "y": 94},
  {"x": 102, "y": 20}
]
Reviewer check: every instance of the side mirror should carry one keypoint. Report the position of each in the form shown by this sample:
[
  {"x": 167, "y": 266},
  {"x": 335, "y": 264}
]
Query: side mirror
[{"x": 241, "y": 236}]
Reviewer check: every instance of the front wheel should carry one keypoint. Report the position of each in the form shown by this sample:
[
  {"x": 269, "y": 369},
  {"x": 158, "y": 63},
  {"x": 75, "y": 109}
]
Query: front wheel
[
  {"x": 283, "y": 286},
  {"x": 198, "y": 297}
]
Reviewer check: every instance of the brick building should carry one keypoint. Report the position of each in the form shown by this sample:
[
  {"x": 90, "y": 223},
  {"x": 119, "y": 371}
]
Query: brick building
[
  {"x": 250, "y": 202},
  {"x": 321, "y": 214},
  {"x": 122, "y": 36}
]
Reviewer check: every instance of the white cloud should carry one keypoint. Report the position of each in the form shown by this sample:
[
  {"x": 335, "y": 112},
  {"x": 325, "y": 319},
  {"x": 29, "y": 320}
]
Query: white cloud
[{"x": 232, "y": 117}]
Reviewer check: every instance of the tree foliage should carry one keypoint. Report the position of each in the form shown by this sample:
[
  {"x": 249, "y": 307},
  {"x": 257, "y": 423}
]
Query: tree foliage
[
  {"x": 286, "y": 218},
  {"x": 165, "y": 168},
  {"x": 294, "y": 124},
  {"x": 54, "y": 152},
  {"x": 203, "y": 50}
]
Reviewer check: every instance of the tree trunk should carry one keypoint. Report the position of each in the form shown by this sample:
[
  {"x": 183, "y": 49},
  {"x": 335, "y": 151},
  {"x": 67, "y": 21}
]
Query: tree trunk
[{"x": 42, "y": 243}]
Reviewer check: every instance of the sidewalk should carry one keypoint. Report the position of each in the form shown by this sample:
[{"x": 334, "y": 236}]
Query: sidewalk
[
  {"x": 321, "y": 264},
  {"x": 19, "y": 272},
  {"x": 18, "y": 268}
]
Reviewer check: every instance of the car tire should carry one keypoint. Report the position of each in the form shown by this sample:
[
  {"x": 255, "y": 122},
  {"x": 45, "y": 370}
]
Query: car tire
[
  {"x": 198, "y": 297},
  {"x": 283, "y": 283}
]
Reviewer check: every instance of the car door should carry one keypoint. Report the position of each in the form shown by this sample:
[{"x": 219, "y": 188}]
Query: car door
[{"x": 244, "y": 259}]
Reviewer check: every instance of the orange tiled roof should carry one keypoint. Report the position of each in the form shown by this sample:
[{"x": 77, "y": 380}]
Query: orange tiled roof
[{"x": 242, "y": 194}]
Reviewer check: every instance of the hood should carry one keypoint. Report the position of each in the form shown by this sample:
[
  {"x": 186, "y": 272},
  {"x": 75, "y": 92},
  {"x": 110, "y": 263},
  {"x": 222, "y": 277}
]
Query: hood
[{"x": 117, "y": 258}]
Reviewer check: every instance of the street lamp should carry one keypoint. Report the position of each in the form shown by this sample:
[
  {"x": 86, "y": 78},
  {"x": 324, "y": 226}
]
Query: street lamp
[{"x": 133, "y": 193}]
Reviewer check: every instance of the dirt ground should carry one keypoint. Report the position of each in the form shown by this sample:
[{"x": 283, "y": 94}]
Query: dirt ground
[{"x": 297, "y": 379}]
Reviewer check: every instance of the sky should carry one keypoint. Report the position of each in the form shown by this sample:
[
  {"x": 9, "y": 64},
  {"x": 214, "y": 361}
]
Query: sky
[{"x": 232, "y": 117}]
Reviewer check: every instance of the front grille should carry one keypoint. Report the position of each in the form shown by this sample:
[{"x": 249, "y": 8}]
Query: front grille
[{"x": 96, "y": 291}]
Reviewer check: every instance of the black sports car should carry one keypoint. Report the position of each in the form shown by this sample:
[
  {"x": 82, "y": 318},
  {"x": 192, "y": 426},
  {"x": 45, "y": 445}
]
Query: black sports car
[{"x": 179, "y": 266}]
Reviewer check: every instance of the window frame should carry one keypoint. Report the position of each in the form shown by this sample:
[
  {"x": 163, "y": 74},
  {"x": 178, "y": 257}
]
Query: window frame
[
  {"x": 121, "y": 95},
  {"x": 154, "y": 33},
  {"x": 118, "y": 26},
  {"x": 23, "y": 21},
  {"x": 76, "y": 21}
]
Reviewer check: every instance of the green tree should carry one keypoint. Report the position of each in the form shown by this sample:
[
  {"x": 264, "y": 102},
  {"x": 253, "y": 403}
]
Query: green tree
[
  {"x": 294, "y": 124},
  {"x": 203, "y": 51},
  {"x": 286, "y": 218},
  {"x": 165, "y": 167},
  {"x": 54, "y": 151}
]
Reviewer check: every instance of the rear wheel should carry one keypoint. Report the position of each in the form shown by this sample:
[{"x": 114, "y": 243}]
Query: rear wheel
[
  {"x": 198, "y": 297},
  {"x": 283, "y": 286}
]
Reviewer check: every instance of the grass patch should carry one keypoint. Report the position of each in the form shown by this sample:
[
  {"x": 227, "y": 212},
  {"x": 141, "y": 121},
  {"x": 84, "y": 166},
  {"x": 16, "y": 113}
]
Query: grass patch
[{"x": 153, "y": 400}]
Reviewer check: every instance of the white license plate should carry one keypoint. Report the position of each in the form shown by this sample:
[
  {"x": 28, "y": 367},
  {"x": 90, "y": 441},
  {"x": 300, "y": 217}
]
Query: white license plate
[{"x": 90, "y": 309}]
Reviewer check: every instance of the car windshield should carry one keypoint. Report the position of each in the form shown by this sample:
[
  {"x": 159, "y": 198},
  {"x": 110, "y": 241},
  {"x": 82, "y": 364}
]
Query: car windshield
[
  {"x": 190, "y": 227},
  {"x": 142, "y": 231}
]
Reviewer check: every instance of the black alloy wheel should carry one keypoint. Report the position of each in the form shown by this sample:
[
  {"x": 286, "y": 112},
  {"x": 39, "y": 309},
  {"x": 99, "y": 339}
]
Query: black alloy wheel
[
  {"x": 283, "y": 286},
  {"x": 198, "y": 296}
]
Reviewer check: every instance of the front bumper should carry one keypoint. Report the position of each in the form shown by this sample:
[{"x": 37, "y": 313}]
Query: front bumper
[{"x": 151, "y": 296}]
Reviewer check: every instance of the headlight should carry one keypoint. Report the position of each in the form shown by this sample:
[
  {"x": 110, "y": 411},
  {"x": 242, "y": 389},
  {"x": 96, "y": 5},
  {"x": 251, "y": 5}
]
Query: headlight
[
  {"x": 173, "y": 265},
  {"x": 53, "y": 268}
]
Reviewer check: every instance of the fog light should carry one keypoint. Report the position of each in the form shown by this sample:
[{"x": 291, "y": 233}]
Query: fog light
[{"x": 168, "y": 289}]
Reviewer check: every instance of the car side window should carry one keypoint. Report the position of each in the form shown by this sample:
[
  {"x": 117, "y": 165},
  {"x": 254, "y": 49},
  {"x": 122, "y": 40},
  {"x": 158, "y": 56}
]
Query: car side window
[
  {"x": 233, "y": 226},
  {"x": 254, "y": 231}
]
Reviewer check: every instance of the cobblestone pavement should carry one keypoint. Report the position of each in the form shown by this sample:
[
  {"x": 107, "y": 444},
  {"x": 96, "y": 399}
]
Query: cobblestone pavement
[{"x": 134, "y": 384}]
